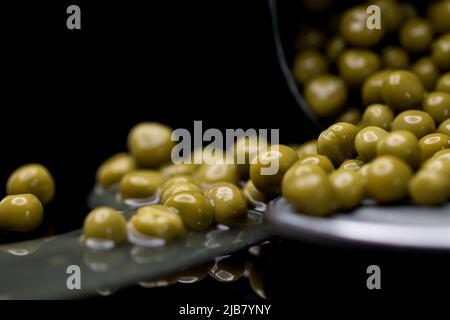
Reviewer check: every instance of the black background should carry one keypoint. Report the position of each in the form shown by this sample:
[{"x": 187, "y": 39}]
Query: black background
[{"x": 69, "y": 98}]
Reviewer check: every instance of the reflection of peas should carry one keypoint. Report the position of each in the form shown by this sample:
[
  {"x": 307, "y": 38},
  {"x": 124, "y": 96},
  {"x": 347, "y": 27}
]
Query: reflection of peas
[
  {"x": 228, "y": 269},
  {"x": 196, "y": 273},
  {"x": 256, "y": 280},
  {"x": 104, "y": 260},
  {"x": 25, "y": 248},
  {"x": 107, "y": 291},
  {"x": 144, "y": 255},
  {"x": 160, "y": 282}
]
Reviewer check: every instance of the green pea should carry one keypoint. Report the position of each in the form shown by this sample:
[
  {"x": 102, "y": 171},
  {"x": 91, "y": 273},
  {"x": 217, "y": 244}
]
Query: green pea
[
  {"x": 310, "y": 193},
  {"x": 440, "y": 52},
  {"x": 395, "y": 57},
  {"x": 356, "y": 65},
  {"x": 372, "y": 87},
  {"x": 366, "y": 142},
  {"x": 429, "y": 188},
  {"x": 353, "y": 28},
  {"x": 32, "y": 178},
  {"x": 338, "y": 142},
  {"x": 388, "y": 178},
  {"x": 418, "y": 122},
  {"x": 21, "y": 213},
  {"x": 444, "y": 127},
  {"x": 230, "y": 206},
  {"x": 416, "y": 35},
  {"x": 378, "y": 115},
  {"x": 140, "y": 184},
  {"x": 437, "y": 105},
  {"x": 326, "y": 95},
  {"x": 349, "y": 188},
  {"x": 105, "y": 223},
  {"x": 318, "y": 160},
  {"x": 443, "y": 83},
  {"x": 158, "y": 221},
  {"x": 209, "y": 174},
  {"x": 150, "y": 144},
  {"x": 432, "y": 143},
  {"x": 195, "y": 209},
  {"x": 402, "y": 90},
  {"x": 279, "y": 158},
  {"x": 309, "y": 64},
  {"x": 113, "y": 169},
  {"x": 427, "y": 72},
  {"x": 402, "y": 144}
]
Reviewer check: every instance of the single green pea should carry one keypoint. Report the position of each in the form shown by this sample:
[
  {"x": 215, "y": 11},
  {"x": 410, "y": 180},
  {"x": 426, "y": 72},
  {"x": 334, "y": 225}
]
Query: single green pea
[
  {"x": 427, "y": 71},
  {"x": 395, "y": 57},
  {"x": 150, "y": 144},
  {"x": 310, "y": 193},
  {"x": 443, "y": 83},
  {"x": 158, "y": 221},
  {"x": 401, "y": 144},
  {"x": 437, "y": 105},
  {"x": 349, "y": 188},
  {"x": 195, "y": 209},
  {"x": 372, "y": 87},
  {"x": 309, "y": 64},
  {"x": 444, "y": 127},
  {"x": 32, "y": 178},
  {"x": 418, "y": 122},
  {"x": 21, "y": 213},
  {"x": 326, "y": 95},
  {"x": 388, "y": 178},
  {"x": 230, "y": 206},
  {"x": 113, "y": 169},
  {"x": 378, "y": 115},
  {"x": 366, "y": 142},
  {"x": 338, "y": 142},
  {"x": 353, "y": 28},
  {"x": 307, "y": 148},
  {"x": 438, "y": 14},
  {"x": 177, "y": 188},
  {"x": 209, "y": 174},
  {"x": 355, "y": 65},
  {"x": 432, "y": 143},
  {"x": 318, "y": 160},
  {"x": 439, "y": 164},
  {"x": 140, "y": 184},
  {"x": 402, "y": 90},
  {"x": 269, "y": 168},
  {"x": 351, "y": 115},
  {"x": 351, "y": 165},
  {"x": 440, "y": 52},
  {"x": 105, "y": 223},
  {"x": 429, "y": 188},
  {"x": 416, "y": 35}
]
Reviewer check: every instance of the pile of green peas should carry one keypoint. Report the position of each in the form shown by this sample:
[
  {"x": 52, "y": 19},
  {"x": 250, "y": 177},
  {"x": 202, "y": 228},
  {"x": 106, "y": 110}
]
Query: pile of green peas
[
  {"x": 174, "y": 198},
  {"x": 389, "y": 97},
  {"x": 29, "y": 188}
]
